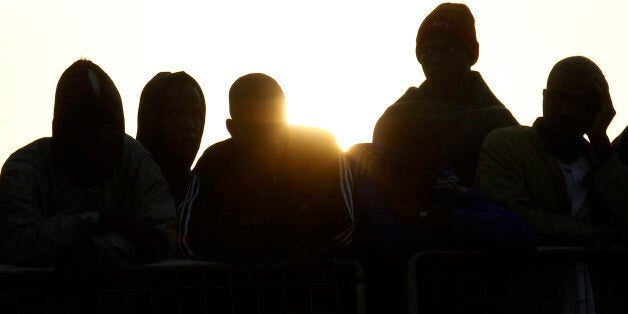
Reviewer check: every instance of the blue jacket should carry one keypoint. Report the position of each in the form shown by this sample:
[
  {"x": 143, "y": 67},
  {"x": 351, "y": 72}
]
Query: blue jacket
[{"x": 476, "y": 222}]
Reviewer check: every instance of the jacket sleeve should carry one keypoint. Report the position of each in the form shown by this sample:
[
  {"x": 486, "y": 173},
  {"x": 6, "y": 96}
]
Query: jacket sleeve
[
  {"x": 484, "y": 224},
  {"x": 610, "y": 182},
  {"x": 378, "y": 231},
  {"x": 500, "y": 177},
  {"x": 27, "y": 236},
  {"x": 149, "y": 199}
]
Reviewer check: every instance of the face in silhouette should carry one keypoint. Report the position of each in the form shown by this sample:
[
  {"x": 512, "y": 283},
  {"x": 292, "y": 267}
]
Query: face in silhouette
[
  {"x": 444, "y": 60},
  {"x": 180, "y": 122},
  {"x": 257, "y": 107},
  {"x": 567, "y": 114},
  {"x": 571, "y": 100},
  {"x": 88, "y": 125}
]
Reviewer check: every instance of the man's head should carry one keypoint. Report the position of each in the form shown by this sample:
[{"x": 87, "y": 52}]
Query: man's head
[
  {"x": 88, "y": 124},
  {"x": 446, "y": 45},
  {"x": 571, "y": 99},
  {"x": 171, "y": 117},
  {"x": 413, "y": 152},
  {"x": 257, "y": 107}
]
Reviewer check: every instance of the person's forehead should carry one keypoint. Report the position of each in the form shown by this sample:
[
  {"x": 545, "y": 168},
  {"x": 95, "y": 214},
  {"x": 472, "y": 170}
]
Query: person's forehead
[
  {"x": 178, "y": 89},
  {"x": 440, "y": 38},
  {"x": 573, "y": 84},
  {"x": 178, "y": 94}
]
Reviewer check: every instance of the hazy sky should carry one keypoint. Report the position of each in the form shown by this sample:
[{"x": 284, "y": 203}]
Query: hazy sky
[{"x": 340, "y": 62}]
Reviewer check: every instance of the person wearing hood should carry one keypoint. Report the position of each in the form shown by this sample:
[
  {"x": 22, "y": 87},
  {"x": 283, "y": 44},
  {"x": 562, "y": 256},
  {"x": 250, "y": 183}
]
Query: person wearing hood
[
  {"x": 89, "y": 196},
  {"x": 170, "y": 125},
  {"x": 452, "y": 96}
]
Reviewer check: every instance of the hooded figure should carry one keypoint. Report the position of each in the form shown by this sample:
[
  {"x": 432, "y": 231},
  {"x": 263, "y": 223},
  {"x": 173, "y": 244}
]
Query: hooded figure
[
  {"x": 89, "y": 196},
  {"x": 453, "y": 97},
  {"x": 170, "y": 125}
]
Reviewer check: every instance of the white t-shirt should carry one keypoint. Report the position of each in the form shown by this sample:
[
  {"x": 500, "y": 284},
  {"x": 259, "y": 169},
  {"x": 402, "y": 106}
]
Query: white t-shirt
[{"x": 577, "y": 191}]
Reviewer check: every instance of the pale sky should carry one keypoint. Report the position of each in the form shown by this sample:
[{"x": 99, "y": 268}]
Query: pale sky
[{"x": 341, "y": 63}]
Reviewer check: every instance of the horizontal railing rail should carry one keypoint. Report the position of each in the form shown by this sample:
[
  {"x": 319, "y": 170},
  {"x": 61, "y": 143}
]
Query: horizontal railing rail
[
  {"x": 185, "y": 286},
  {"x": 546, "y": 280}
]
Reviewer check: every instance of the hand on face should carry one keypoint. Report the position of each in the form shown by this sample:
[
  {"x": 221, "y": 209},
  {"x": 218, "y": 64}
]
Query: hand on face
[{"x": 605, "y": 114}]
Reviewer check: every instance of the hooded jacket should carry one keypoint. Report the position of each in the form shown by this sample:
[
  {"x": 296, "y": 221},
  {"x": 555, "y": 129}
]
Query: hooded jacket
[
  {"x": 151, "y": 105},
  {"x": 44, "y": 215}
]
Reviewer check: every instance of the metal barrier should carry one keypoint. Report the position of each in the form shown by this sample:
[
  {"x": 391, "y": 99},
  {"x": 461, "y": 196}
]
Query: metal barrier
[
  {"x": 183, "y": 286},
  {"x": 548, "y": 280}
]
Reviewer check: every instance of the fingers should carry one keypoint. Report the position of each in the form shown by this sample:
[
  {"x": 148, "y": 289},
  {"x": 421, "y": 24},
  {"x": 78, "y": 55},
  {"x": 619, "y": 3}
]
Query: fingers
[{"x": 601, "y": 86}]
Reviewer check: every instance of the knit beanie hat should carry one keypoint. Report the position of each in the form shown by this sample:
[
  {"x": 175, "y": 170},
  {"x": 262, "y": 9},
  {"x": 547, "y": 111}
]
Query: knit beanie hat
[{"x": 454, "y": 19}]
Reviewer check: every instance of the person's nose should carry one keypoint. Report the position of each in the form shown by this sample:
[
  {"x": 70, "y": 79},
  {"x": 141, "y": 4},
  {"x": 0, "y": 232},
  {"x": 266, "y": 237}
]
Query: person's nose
[{"x": 190, "y": 123}]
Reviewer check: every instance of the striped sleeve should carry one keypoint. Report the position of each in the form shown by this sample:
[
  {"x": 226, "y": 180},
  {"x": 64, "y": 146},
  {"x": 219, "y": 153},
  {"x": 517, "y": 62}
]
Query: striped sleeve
[
  {"x": 184, "y": 212},
  {"x": 345, "y": 237}
]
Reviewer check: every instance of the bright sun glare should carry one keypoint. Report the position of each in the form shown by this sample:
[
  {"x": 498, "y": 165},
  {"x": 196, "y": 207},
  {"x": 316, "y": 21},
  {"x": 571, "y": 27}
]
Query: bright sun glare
[{"x": 340, "y": 63}]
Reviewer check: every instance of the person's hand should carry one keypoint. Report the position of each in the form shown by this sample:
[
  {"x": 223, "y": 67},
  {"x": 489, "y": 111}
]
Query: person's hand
[
  {"x": 607, "y": 111},
  {"x": 149, "y": 241},
  {"x": 437, "y": 217},
  {"x": 597, "y": 133}
]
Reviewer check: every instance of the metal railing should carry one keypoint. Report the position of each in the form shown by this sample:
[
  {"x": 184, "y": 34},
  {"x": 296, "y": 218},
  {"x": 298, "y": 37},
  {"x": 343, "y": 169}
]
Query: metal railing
[
  {"x": 184, "y": 286},
  {"x": 547, "y": 280}
]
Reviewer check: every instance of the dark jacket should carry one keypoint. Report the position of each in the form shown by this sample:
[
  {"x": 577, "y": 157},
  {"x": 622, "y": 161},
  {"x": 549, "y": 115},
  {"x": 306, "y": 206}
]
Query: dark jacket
[
  {"x": 518, "y": 171},
  {"x": 42, "y": 216},
  {"x": 476, "y": 222},
  {"x": 462, "y": 127},
  {"x": 233, "y": 212},
  {"x": 620, "y": 144}
]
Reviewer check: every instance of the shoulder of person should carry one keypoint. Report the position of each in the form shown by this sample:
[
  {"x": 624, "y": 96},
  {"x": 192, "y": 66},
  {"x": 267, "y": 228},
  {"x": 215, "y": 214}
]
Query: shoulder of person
[
  {"x": 514, "y": 132},
  {"x": 35, "y": 154},
  {"x": 215, "y": 156},
  {"x": 134, "y": 154},
  {"x": 311, "y": 139}
]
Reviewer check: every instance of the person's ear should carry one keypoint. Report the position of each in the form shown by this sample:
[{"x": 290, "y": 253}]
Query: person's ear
[
  {"x": 230, "y": 127},
  {"x": 547, "y": 102},
  {"x": 416, "y": 52},
  {"x": 468, "y": 58}
]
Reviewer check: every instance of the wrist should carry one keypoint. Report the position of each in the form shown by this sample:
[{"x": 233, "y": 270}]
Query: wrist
[{"x": 598, "y": 137}]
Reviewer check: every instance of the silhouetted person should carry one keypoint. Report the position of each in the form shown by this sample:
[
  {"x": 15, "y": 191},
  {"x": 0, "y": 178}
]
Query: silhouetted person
[
  {"x": 571, "y": 191},
  {"x": 407, "y": 202},
  {"x": 89, "y": 196},
  {"x": 452, "y": 96},
  {"x": 270, "y": 192},
  {"x": 620, "y": 145},
  {"x": 170, "y": 125}
]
